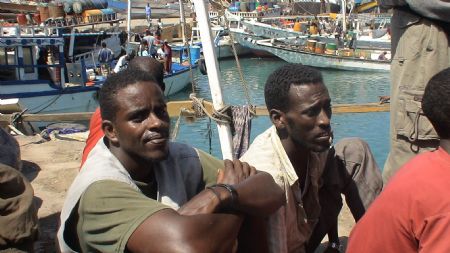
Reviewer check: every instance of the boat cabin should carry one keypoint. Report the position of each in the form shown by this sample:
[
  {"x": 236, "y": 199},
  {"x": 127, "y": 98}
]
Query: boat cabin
[
  {"x": 33, "y": 60},
  {"x": 36, "y": 57}
]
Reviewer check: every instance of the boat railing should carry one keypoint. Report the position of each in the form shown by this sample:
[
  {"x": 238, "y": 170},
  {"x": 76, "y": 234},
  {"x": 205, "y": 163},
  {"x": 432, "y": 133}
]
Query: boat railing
[
  {"x": 213, "y": 14},
  {"x": 70, "y": 22},
  {"x": 85, "y": 56},
  {"x": 247, "y": 14},
  {"x": 368, "y": 55},
  {"x": 28, "y": 31},
  {"x": 52, "y": 27}
]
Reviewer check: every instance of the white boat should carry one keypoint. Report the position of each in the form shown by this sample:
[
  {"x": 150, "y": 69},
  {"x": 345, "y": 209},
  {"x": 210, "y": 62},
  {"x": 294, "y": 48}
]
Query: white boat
[
  {"x": 180, "y": 77},
  {"x": 50, "y": 67},
  {"x": 222, "y": 42},
  {"x": 291, "y": 51},
  {"x": 89, "y": 53},
  {"x": 83, "y": 36},
  {"x": 40, "y": 85},
  {"x": 271, "y": 31},
  {"x": 177, "y": 82}
]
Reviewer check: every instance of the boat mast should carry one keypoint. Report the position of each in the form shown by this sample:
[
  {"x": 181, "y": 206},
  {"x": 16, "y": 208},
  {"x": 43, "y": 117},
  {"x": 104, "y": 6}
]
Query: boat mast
[
  {"x": 128, "y": 25},
  {"x": 209, "y": 52},
  {"x": 343, "y": 10},
  {"x": 182, "y": 21}
]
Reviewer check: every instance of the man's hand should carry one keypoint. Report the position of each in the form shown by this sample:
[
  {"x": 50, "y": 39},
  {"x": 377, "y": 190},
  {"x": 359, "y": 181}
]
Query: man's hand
[
  {"x": 234, "y": 172},
  {"x": 239, "y": 188},
  {"x": 257, "y": 192}
]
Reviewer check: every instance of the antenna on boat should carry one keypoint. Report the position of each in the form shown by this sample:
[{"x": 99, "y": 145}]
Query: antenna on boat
[
  {"x": 128, "y": 24},
  {"x": 344, "y": 10},
  {"x": 182, "y": 22},
  {"x": 226, "y": 143}
]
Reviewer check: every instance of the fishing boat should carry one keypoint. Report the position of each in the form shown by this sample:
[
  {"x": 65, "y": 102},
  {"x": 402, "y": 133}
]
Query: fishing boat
[
  {"x": 185, "y": 58},
  {"x": 34, "y": 70},
  {"x": 325, "y": 55},
  {"x": 271, "y": 30},
  {"x": 85, "y": 45},
  {"x": 181, "y": 74},
  {"x": 220, "y": 27},
  {"x": 50, "y": 65},
  {"x": 223, "y": 43},
  {"x": 83, "y": 32}
]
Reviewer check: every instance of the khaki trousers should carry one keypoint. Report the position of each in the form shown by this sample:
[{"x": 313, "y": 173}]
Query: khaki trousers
[{"x": 421, "y": 49}]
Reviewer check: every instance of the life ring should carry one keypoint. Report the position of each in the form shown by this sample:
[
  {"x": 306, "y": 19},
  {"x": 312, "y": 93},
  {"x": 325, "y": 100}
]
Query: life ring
[{"x": 202, "y": 67}]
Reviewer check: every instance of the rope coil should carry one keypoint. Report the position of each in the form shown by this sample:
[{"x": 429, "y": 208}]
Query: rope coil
[{"x": 220, "y": 116}]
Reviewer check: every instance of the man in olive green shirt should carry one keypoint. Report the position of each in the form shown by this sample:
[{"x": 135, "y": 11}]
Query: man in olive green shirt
[
  {"x": 125, "y": 208},
  {"x": 137, "y": 192}
]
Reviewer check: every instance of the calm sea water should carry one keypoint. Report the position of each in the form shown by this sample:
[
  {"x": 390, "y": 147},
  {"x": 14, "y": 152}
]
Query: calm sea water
[{"x": 344, "y": 87}]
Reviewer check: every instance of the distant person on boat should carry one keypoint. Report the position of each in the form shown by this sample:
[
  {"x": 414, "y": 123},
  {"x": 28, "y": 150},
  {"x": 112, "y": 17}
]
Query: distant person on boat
[
  {"x": 148, "y": 14},
  {"x": 382, "y": 56},
  {"x": 105, "y": 58},
  {"x": 158, "y": 29},
  {"x": 352, "y": 39},
  {"x": 160, "y": 53},
  {"x": 151, "y": 43},
  {"x": 420, "y": 49},
  {"x": 412, "y": 214},
  {"x": 298, "y": 152},
  {"x": 143, "y": 49},
  {"x": 167, "y": 57},
  {"x": 43, "y": 71},
  {"x": 165, "y": 54},
  {"x": 139, "y": 192},
  {"x": 123, "y": 61},
  {"x": 338, "y": 34},
  {"x": 18, "y": 214},
  {"x": 147, "y": 64}
]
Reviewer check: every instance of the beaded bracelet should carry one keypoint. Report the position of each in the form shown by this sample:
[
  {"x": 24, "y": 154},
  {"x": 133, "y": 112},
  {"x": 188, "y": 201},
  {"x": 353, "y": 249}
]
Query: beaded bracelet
[{"x": 233, "y": 193}]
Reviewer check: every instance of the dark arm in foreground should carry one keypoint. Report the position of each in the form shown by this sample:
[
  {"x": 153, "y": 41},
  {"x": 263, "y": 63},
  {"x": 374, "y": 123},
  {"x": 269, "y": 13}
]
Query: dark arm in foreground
[{"x": 210, "y": 222}]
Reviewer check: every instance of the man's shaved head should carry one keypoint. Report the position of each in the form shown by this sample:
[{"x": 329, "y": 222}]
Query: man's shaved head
[{"x": 149, "y": 65}]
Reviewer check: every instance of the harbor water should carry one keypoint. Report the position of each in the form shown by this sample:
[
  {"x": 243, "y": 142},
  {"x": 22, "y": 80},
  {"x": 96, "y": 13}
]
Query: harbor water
[{"x": 345, "y": 87}]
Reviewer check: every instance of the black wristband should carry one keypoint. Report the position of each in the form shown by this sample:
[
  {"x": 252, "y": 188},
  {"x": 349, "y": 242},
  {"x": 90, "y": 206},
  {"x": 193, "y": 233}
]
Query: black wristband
[{"x": 233, "y": 193}]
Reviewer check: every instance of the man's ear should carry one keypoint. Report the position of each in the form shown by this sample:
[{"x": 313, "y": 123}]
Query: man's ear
[
  {"x": 110, "y": 131},
  {"x": 278, "y": 118}
]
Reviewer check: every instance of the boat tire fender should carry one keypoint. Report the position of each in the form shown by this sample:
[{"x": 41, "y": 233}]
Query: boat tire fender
[{"x": 202, "y": 67}]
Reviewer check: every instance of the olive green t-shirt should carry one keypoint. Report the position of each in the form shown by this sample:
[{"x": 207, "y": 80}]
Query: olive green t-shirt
[{"x": 109, "y": 211}]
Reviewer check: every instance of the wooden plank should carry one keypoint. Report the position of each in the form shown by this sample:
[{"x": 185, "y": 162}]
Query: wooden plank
[
  {"x": 57, "y": 117},
  {"x": 342, "y": 108},
  {"x": 360, "y": 108},
  {"x": 175, "y": 107},
  {"x": 8, "y": 16},
  {"x": 17, "y": 8}
]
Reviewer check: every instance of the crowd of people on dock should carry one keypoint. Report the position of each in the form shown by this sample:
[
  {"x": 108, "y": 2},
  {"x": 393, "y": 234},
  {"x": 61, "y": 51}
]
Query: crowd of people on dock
[
  {"x": 151, "y": 45},
  {"x": 139, "y": 192}
]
